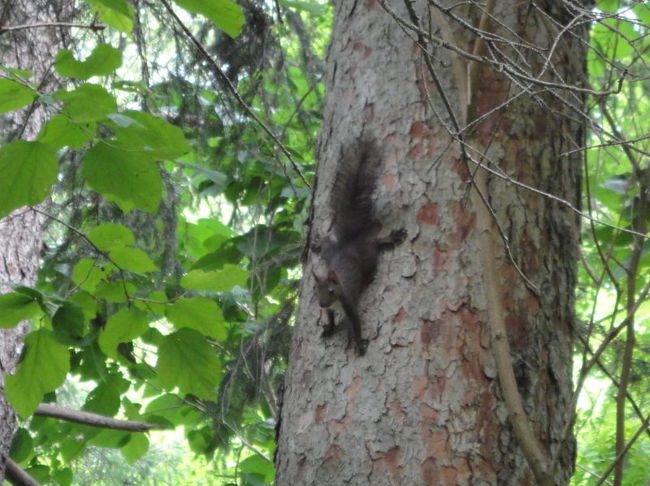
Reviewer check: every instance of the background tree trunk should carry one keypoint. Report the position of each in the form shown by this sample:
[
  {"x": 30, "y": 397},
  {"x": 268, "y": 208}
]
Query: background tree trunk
[
  {"x": 425, "y": 405},
  {"x": 20, "y": 240}
]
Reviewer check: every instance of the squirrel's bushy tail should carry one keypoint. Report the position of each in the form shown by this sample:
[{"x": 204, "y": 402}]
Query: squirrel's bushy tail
[{"x": 351, "y": 197}]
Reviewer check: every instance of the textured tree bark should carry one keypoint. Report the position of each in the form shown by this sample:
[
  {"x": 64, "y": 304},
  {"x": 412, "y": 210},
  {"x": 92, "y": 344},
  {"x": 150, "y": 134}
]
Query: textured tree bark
[
  {"x": 426, "y": 405},
  {"x": 20, "y": 241}
]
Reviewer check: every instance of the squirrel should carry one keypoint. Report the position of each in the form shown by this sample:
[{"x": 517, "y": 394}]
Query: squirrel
[{"x": 351, "y": 251}]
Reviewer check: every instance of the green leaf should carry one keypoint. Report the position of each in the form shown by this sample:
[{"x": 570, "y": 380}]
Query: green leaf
[
  {"x": 132, "y": 259},
  {"x": 102, "y": 61},
  {"x": 105, "y": 397},
  {"x": 88, "y": 273},
  {"x": 28, "y": 171},
  {"x": 198, "y": 313},
  {"x": 116, "y": 13},
  {"x": 223, "y": 13},
  {"x": 13, "y": 95},
  {"x": 114, "y": 291},
  {"x": 168, "y": 406},
  {"x": 111, "y": 235},
  {"x": 110, "y": 438},
  {"x": 135, "y": 448},
  {"x": 43, "y": 368},
  {"x": 60, "y": 131},
  {"x": 608, "y": 5},
  {"x": 130, "y": 179},
  {"x": 122, "y": 327},
  {"x": 17, "y": 307},
  {"x": 21, "y": 445},
  {"x": 218, "y": 280},
  {"x": 138, "y": 131},
  {"x": 258, "y": 465},
  {"x": 17, "y": 73},
  {"x": 69, "y": 324},
  {"x": 187, "y": 361},
  {"x": 63, "y": 477},
  {"x": 87, "y": 103}
]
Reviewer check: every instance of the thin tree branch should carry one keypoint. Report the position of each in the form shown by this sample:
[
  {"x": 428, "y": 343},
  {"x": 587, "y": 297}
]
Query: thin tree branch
[
  {"x": 93, "y": 419},
  {"x": 12, "y": 28}
]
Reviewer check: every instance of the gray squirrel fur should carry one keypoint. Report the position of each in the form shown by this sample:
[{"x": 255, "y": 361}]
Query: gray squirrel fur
[{"x": 351, "y": 251}]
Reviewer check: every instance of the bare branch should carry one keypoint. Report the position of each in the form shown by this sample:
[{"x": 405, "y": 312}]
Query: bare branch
[{"x": 93, "y": 419}]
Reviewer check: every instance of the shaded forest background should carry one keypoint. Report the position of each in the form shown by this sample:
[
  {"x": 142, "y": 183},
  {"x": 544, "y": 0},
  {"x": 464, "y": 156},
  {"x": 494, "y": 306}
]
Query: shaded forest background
[{"x": 176, "y": 166}]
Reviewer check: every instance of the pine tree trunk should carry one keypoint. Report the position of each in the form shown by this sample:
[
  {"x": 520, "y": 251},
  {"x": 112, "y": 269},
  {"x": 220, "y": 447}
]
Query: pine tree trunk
[
  {"x": 427, "y": 402},
  {"x": 32, "y": 49}
]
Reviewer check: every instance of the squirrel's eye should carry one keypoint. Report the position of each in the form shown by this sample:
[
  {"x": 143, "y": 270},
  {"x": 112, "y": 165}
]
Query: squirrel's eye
[{"x": 331, "y": 290}]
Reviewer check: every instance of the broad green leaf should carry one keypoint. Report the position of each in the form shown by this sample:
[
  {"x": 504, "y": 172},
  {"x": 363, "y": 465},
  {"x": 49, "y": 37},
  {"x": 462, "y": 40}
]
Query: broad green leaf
[
  {"x": 225, "y": 14},
  {"x": 87, "y": 103},
  {"x": 168, "y": 406},
  {"x": 28, "y": 170},
  {"x": 88, "y": 273},
  {"x": 17, "y": 307},
  {"x": 135, "y": 448},
  {"x": 71, "y": 448},
  {"x": 198, "y": 313},
  {"x": 105, "y": 398},
  {"x": 102, "y": 61},
  {"x": 21, "y": 445},
  {"x": 60, "y": 131},
  {"x": 132, "y": 259},
  {"x": 122, "y": 327},
  {"x": 138, "y": 131},
  {"x": 63, "y": 477},
  {"x": 116, "y": 13},
  {"x": 608, "y": 5},
  {"x": 217, "y": 280},
  {"x": 116, "y": 291},
  {"x": 114, "y": 439},
  {"x": 187, "y": 361},
  {"x": 85, "y": 302},
  {"x": 69, "y": 324},
  {"x": 13, "y": 95},
  {"x": 258, "y": 465},
  {"x": 111, "y": 235},
  {"x": 43, "y": 368},
  {"x": 17, "y": 73},
  {"x": 130, "y": 179}
]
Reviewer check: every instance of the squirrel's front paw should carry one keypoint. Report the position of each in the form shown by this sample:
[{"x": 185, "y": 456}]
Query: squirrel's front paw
[
  {"x": 362, "y": 347},
  {"x": 398, "y": 236}
]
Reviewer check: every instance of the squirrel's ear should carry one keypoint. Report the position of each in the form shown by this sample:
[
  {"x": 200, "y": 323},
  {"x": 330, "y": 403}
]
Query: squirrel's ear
[{"x": 331, "y": 276}]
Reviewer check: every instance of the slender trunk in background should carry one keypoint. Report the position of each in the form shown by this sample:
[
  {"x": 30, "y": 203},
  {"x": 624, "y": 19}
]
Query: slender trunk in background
[
  {"x": 429, "y": 403},
  {"x": 20, "y": 242}
]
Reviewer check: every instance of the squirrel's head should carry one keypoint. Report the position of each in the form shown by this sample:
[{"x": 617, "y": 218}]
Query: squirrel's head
[{"x": 328, "y": 288}]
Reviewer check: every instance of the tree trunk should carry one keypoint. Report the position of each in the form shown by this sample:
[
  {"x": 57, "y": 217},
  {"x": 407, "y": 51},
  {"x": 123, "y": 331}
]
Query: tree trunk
[
  {"x": 20, "y": 241},
  {"x": 431, "y": 402}
]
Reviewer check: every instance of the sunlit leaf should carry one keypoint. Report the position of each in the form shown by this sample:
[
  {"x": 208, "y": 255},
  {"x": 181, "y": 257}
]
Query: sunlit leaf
[
  {"x": 122, "y": 327},
  {"x": 130, "y": 179},
  {"x": 15, "y": 307},
  {"x": 13, "y": 95},
  {"x": 187, "y": 361},
  {"x": 44, "y": 366},
  {"x": 102, "y": 61},
  {"x": 116, "y": 13},
  {"x": 225, "y": 14},
  {"x": 28, "y": 171},
  {"x": 135, "y": 448},
  {"x": 87, "y": 103},
  {"x": 60, "y": 131}
]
